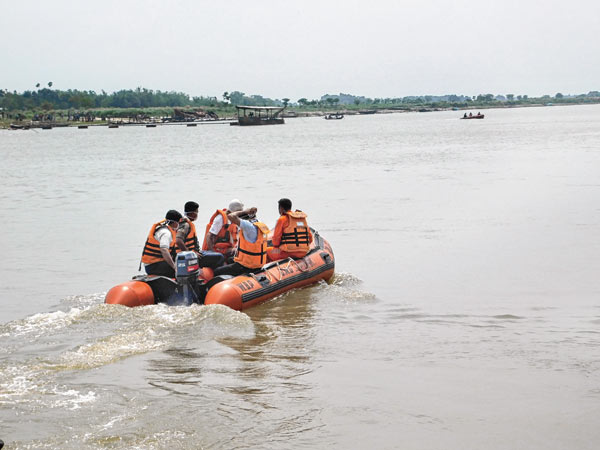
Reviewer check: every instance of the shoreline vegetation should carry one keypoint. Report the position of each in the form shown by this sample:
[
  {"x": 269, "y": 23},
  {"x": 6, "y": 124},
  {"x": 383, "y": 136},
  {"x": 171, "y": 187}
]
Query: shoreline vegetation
[{"x": 47, "y": 107}]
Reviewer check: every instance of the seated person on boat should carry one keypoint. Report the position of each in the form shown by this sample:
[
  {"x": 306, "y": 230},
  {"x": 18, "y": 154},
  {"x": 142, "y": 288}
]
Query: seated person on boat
[
  {"x": 159, "y": 249},
  {"x": 221, "y": 235},
  {"x": 187, "y": 239},
  {"x": 292, "y": 236},
  {"x": 251, "y": 252}
]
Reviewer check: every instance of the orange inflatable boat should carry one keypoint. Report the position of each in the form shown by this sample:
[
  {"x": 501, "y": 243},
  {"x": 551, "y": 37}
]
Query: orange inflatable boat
[{"x": 193, "y": 285}]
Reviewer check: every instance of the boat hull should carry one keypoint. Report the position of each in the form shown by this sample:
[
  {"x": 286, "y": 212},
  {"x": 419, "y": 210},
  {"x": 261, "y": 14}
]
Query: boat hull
[{"x": 241, "y": 292}]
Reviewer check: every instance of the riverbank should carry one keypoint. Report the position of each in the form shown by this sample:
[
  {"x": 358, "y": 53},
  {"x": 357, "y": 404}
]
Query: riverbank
[{"x": 142, "y": 117}]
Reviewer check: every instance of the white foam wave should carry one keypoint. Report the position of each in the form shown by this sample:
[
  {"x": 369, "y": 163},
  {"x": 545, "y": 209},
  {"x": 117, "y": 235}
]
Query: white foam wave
[
  {"x": 73, "y": 399},
  {"x": 345, "y": 279},
  {"x": 41, "y": 323},
  {"x": 108, "y": 350}
]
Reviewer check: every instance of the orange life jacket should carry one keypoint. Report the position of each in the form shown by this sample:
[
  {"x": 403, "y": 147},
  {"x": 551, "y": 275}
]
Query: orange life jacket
[
  {"x": 227, "y": 236},
  {"x": 151, "y": 253},
  {"x": 253, "y": 255},
  {"x": 296, "y": 235},
  {"x": 191, "y": 240}
]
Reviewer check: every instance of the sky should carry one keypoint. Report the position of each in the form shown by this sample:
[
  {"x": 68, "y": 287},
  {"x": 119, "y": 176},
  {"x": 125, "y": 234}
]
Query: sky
[{"x": 295, "y": 49}]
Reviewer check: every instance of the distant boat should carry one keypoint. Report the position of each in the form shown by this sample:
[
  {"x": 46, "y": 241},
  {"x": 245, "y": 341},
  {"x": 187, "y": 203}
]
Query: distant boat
[
  {"x": 258, "y": 115},
  {"x": 335, "y": 116},
  {"x": 18, "y": 127},
  {"x": 367, "y": 111},
  {"x": 476, "y": 116}
]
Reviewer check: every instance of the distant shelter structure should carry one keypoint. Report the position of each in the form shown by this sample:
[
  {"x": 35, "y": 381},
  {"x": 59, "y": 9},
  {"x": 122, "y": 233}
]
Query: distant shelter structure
[{"x": 258, "y": 115}]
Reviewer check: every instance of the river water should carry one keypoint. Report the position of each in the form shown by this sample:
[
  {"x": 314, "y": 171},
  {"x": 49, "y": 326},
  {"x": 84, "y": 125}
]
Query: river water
[{"x": 464, "y": 313}]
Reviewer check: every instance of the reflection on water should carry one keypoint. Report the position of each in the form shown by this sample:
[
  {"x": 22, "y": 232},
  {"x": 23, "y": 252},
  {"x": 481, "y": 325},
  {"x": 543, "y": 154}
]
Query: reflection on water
[{"x": 465, "y": 303}]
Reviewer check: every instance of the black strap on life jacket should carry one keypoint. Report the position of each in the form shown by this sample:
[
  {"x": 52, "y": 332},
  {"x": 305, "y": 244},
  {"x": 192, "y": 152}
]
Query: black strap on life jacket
[
  {"x": 296, "y": 237},
  {"x": 192, "y": 243},
  {"x": 151, "y": 249},
  {"x": 262, "y": 253}
]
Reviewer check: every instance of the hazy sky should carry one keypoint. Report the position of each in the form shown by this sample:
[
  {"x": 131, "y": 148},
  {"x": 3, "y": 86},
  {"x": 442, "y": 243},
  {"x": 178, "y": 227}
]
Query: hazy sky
[{"x": 303, "y": 49}]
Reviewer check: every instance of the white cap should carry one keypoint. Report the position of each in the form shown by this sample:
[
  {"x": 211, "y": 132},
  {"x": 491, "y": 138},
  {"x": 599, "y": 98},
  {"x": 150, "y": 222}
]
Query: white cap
[{"x": 235, "y": 205}]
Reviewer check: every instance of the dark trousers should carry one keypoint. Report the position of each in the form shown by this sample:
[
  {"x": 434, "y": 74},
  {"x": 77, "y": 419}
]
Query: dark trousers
[
  {"x": 234, "y": 269},
  {"x": 160, "y": 268},
  {"x": 211, "y": 259}
]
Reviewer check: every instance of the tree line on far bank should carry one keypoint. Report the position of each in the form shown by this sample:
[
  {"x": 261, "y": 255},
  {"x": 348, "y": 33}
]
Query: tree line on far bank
[{"x": 48, "y": 99}]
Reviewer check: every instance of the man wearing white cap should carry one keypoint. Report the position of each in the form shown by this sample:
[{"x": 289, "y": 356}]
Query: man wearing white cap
[{"x": 221, "y": 235}]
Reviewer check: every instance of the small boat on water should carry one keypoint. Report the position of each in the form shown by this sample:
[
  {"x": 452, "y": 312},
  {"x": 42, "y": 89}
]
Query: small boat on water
[
  {"x": 199, "y": 286},
  {"x": 259, "y": 115},
  {"x": 471, "y": 116},
  {"x": 18, "y": 127},
  {"x": 336, "y": 116}
]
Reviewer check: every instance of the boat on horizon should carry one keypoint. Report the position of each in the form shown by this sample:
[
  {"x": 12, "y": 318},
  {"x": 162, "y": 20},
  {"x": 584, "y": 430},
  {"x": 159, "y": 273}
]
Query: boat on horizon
[
  {"x": 473, "y": 116},
  {"x": 258, "y": 115}
]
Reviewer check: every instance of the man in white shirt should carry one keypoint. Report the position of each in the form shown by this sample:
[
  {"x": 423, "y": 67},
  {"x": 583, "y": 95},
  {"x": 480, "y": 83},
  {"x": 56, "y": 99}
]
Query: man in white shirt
[
  {"x": 216, "y": 237},
  {"x": 159, "y": 249}
]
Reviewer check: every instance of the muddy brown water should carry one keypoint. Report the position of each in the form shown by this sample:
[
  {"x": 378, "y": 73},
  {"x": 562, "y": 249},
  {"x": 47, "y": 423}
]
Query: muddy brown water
[{"x": 464, "y": 313}]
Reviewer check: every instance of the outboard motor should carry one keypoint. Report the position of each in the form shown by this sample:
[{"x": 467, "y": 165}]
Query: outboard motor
[{"x": 187, "y": 269}]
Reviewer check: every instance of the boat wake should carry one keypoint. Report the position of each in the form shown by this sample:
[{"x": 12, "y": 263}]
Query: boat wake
[
  {"x": 345, "y": 287},
  {"x": 38, "y": 351}
]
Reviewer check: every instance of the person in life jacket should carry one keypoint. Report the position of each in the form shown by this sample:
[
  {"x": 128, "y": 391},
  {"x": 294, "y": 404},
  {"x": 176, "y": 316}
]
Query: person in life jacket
[
  {"x": 221, "y": 235},
  {"x": 186, "y": 238},
  {"x": 159, "y": 250},
  {"x": 292, "y": 236},
  {"x": 251, "y": 251}
]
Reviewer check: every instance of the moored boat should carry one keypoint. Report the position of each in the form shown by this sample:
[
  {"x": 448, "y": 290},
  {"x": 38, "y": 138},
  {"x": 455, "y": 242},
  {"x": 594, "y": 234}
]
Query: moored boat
[
  {"x": 195, "y": 285},
  {"x": 259, "y": 115}
]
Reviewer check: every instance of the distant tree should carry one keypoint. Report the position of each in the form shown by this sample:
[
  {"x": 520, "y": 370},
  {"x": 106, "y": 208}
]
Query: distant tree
[
  {"x": 485, "y": 98},
  {"x": 519, "y": 97},
  {"x": 37, "y": 85},
  {"x": 303, "y": 101},
  {"x": 356, "y": 101},
  {"x": 285, "y": 101},
  {"x": 237, "y": 98},
  {"x": 226, "y": 96},
  {"x": 525, "y": 97},
  {"x": 47, "y": 106},
  {"x": 50, "y": 84},
  {"x": 510, "y": 97},
  {"x": 558, "y": 95}
]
